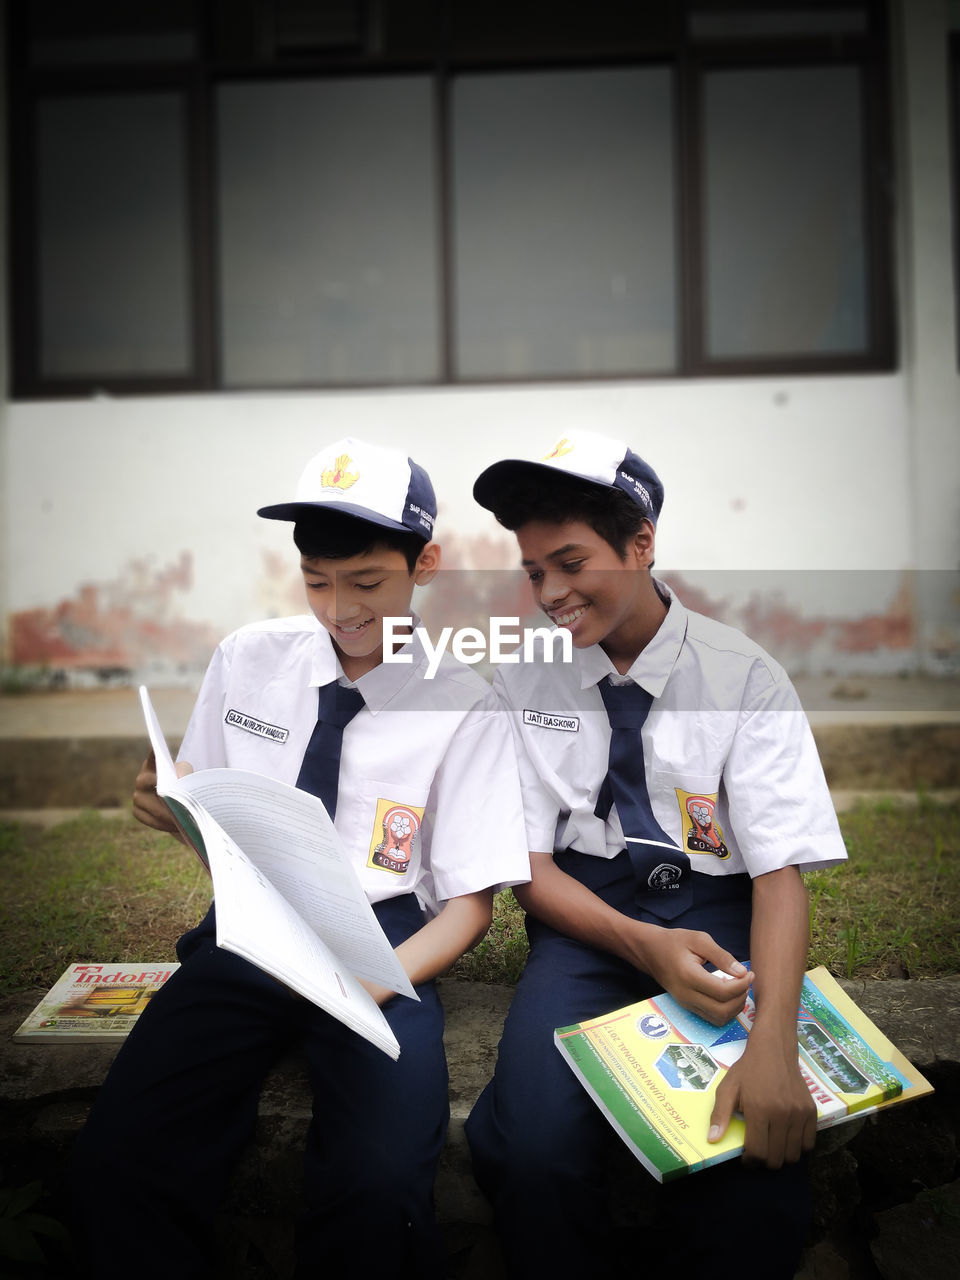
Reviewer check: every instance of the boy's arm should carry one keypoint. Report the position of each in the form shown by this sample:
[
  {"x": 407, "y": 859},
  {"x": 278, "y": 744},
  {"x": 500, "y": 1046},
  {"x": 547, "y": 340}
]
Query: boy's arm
[
  {"x": 433, "y": 949},
  {"x": 765, "y": 1085},
  {"x": 675, "y": 957},
  {"x": 478, "y": 775}
]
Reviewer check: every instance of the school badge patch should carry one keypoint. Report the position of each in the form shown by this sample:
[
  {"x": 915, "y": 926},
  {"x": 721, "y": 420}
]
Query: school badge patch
[
  {"x": 701, "y": 832},
  {"x": 394, "y": 832}
]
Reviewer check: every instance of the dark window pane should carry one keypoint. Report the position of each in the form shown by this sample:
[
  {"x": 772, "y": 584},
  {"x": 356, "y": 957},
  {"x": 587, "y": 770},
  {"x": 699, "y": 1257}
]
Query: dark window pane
[
  {"x": 327, "y": 232},
  {"x": 785, "y": 271},
  {"x": 112, "y": 235},
  {"x": 541, "y": 29},
  {"x": 564, "y": 223},
  {"x": 303, "y": 27},
  {"x": 65, "y": 33},
  {"x": 763, "y": 22}
]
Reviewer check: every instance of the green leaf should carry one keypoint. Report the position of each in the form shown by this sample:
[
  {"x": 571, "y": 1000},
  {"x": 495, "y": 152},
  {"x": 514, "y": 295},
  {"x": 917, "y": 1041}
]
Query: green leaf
[
  {"x": 42, "y": 1225},
  {"x": 19, "y": 1199},
  {"x": 17, "y": 1243}
]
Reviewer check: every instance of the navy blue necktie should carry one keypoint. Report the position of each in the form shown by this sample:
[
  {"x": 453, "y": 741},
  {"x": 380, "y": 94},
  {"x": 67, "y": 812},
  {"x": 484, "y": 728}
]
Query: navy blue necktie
[
  {"x": 662, "y": 870},
  {"x": 320, "y": 770}
]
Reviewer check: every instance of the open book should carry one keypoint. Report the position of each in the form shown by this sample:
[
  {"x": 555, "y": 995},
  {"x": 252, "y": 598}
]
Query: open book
[
  {"x": 288, "y": 898},
  {"x": 653, "y": 1069}
]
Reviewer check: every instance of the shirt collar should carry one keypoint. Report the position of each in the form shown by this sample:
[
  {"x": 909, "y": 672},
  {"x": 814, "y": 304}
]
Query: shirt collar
[
  {"x": 380, "y": 684},
  {"x": 652, "y": 667}
]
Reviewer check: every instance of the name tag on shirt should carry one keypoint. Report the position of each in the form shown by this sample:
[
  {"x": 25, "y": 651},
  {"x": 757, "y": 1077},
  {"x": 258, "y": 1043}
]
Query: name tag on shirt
[
  {"x": 548, "y": 720},
  {"x": 259, "y": 727}
]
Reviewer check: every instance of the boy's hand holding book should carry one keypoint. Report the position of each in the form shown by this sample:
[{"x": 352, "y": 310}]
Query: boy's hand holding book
[
  {"x": 676, "y": 958},
  {"x": 765, "y": 1086},
  {"x": 288, "y": 897},
  {"x": 684, "y": 1094},
  {"x": 148, "y": 807}
]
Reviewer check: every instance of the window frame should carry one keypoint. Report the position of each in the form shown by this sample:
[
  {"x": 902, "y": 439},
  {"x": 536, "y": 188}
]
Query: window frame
[
  {"x": 28, "y": 380},
  {"x": 689, "y": 62},
  {"x": 876, "y": 186}
]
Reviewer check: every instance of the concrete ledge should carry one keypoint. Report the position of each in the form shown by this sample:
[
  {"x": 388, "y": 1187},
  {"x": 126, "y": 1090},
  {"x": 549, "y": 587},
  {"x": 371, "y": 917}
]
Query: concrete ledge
[
  {"x": 921, "y": 1017},
  {"x": 98, "y": 772},
  {"x": 890, "y": 756},
  {"x": 861, "y": 1171}
]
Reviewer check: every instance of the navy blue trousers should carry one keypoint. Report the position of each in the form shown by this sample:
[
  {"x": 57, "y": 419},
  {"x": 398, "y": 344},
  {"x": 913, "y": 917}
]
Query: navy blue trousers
[
  {"x": 541, "y": 1148},
  {"x": 180, "y": 1104}
]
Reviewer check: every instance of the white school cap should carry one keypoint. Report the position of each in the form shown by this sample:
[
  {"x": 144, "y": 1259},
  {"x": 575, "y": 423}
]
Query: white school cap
[
  {"x": 600, "y": 460},
  {"x": 364, "y": 480}
]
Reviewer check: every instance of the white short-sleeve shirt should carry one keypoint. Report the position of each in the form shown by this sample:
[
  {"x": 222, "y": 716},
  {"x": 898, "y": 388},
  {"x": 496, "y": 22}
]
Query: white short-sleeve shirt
[
  {"x": 731, "y": 766},
  {"x": 429, "y": 798}
]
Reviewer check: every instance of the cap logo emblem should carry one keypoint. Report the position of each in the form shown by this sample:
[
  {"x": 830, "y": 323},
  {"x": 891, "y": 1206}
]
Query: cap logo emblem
[
  {"x": 559, "y": 449},
  {"x": 337, "y": 476}
]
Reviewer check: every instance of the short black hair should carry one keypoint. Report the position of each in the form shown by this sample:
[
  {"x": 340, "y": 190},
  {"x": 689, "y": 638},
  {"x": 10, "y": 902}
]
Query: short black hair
[
  {"x": 561, "y": 499},
  {"x": 333, "y": 535}
]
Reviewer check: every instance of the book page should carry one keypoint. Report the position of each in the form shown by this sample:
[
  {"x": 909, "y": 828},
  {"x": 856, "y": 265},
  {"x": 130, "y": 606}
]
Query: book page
[
  {"x": 283, "y": 945},
  {"x": 287, "y": 834}
]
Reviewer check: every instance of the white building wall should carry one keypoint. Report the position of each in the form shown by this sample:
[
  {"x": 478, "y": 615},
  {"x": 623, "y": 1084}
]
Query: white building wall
[
  {"x": 780, "y": 475},
  {"x": 4, "y": 379},
  {"x": 928, "y": 306}
]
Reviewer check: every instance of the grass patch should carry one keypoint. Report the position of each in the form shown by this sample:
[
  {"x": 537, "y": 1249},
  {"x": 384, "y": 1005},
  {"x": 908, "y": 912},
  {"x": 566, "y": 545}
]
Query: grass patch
[
  {"x": 109, "y": 889},
  {"x": 893, "y": 910},
  {"x": 92, "y": 888},
  {"x": 501, "y": 955}
]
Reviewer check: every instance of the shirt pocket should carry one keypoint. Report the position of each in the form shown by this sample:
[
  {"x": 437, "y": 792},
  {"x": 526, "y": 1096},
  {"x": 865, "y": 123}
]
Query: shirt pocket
[
  {"x": 388, "y": 819},
  {"x": 688, "y": 807}
]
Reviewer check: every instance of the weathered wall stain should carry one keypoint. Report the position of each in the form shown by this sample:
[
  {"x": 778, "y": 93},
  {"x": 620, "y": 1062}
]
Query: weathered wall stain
[
  {"x": 119, "y": 629},
  {"x": 880, "y": 641},
  {"x": 116, "y": 628}
]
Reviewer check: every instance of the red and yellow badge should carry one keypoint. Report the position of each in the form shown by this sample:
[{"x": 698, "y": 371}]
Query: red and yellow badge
[
  {"x": 395, "y": 829},
  {"x": 701, "y": 832},
  {"x": 337, "y": 476},
  {"x": 559, "y": 449}
]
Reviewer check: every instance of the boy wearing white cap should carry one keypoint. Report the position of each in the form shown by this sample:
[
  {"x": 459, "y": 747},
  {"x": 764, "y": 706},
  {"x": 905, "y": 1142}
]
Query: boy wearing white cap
[
  {"x": 672, "y": 795},
  {"x": 399, "y": 760}
]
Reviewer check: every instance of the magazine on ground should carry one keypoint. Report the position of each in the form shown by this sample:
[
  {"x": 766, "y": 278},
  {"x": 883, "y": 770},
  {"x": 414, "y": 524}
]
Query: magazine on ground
[
  {"x": 653, "y": 1069},
  {"x": 95, "y": 1002},
  {"x": 288, "y": 898}
]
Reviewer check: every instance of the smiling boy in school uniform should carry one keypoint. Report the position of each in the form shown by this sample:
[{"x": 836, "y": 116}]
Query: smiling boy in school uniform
[
  {"x": 673, "y": 795},
  {"x": 405, "y": 764}
]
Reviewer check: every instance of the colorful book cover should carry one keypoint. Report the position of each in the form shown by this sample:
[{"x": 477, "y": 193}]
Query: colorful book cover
[
  {"x": 94, "y": 1002},
  {"x": 653, "y": 1069}
]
